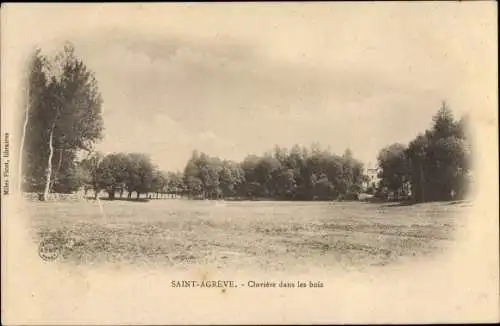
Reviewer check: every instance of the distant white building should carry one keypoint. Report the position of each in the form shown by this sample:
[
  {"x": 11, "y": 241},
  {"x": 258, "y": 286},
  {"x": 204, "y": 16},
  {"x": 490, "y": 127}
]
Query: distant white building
[{"x": 371, "y": 172}]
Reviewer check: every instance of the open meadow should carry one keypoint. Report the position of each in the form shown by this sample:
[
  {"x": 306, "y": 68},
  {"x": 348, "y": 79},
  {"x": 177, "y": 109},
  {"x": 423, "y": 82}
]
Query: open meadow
[{"x": 264, "y": 235}]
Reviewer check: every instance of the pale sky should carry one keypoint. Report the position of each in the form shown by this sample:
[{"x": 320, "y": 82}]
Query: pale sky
[{"x": 236, "y": 79}]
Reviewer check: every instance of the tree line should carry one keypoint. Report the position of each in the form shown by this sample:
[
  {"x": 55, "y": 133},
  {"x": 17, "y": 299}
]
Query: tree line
[
  {"x": 63, "y": 121},
  {"x": 434, "y": 166},
  {"x": 296, "y": 174},
  {"x": 132, "y": 172}
]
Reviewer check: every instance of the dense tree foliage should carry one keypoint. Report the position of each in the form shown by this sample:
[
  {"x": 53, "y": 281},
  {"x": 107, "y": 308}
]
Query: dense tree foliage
[
  {"x": 63, "y": 117},
  {"x": 394, "y": 169},
  {"x": 436, "y": 163},
  {"x": 118, "y": 173},
  {"x": 287, "y": 175},
  {"x": 299, "y": 174}
]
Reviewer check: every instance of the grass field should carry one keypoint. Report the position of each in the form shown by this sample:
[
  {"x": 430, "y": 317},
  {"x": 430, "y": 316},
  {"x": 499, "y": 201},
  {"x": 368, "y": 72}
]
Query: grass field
[{"x": 264, "y": 235}]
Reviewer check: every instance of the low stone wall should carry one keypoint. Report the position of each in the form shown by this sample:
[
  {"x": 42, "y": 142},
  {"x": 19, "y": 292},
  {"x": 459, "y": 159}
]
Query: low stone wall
[{"x": 55, "y": 196}]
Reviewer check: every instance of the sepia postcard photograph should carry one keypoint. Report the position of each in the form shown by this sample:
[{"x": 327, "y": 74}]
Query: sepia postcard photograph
[{"x": 249, "y": 163}]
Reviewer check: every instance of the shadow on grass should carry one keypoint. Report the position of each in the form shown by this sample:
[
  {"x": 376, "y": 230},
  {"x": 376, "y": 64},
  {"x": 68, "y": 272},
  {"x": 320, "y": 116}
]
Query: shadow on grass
[
  {"x": 402, "y": 203},
  {"x": 389, "y": 203},
  {"x": 373, "y": 200},
  {"x": 138, "y": 200},
  {"x": 456, "y": 202}
]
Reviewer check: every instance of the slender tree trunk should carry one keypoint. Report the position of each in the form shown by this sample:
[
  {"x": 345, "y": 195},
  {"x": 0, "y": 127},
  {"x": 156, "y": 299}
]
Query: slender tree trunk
[
  {"x": 56, "y": 172},
  {"x": 422, "y": 183},
  {"x": 95, "y": 187},
  {"x": 49, "y": 164},
  {"x": 23, "y": 137}
]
